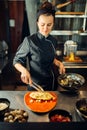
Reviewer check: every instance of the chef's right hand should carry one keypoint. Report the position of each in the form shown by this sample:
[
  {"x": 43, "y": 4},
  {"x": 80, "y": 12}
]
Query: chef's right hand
[{"x": 26, "y": 77}]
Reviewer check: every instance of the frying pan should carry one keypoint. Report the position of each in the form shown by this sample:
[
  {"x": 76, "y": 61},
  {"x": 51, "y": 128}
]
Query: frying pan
[{"x": 71, "y": 81}]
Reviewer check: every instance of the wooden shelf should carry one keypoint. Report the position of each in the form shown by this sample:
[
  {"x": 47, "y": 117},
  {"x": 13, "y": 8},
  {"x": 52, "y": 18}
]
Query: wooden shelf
[
  {"x": 83, "y": 15},
  {"x": 69, "y": 13}
]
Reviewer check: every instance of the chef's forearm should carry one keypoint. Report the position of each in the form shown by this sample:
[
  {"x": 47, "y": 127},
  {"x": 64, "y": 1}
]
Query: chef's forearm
[
  {"x": 20, "y": 67},
  {"x": 25, "y": 74}
]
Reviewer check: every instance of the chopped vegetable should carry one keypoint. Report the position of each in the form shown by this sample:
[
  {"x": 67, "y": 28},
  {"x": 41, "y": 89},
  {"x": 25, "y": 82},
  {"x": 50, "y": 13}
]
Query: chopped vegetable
[{"x": 60, "y": 118}]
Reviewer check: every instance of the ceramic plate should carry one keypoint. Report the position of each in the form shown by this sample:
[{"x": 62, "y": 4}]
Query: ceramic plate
[{"x": 40, "y": 106}]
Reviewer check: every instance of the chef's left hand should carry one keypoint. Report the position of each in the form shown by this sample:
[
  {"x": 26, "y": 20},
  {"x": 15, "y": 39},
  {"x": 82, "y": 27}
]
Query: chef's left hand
[
  {"x": 60, "y": 65},
  {"x": 61, "y": 68}
]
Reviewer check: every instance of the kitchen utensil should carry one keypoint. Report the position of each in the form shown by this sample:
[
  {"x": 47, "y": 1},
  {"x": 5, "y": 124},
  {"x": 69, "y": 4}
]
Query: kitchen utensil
[
  {"x": 70, "y": 47},
  {"x": 81, "y": 107},
  {"x": 37, "y": 87},
  {"x": 71, "y": 81}
]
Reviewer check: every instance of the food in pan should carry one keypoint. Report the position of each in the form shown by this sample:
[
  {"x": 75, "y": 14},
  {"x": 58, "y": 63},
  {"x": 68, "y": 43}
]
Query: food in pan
[
  {"x": 71, "y": 80},
  {"x": 64, "y": 81},
  {"x": 83, "y": 109},
  {"x": 16, "y": 115},
  {"x": 41, "y": 95}
]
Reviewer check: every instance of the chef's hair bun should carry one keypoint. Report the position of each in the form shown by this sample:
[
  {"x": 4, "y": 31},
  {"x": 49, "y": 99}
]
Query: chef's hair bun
[
  {"x": 46, "y": 5},
  {"x": 46, "y": 8}
]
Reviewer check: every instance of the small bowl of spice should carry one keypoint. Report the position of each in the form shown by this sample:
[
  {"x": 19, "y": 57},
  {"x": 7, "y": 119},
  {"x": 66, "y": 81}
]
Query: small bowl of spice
[{"x": 4, "y": 105}]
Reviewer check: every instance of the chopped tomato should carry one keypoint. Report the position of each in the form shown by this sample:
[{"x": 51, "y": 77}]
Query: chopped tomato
[{"x": 60, "y": 118}]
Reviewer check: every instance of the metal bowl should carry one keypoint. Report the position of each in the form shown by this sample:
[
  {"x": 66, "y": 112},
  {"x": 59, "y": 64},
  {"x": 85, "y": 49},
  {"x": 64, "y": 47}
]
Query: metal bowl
[
  {"x": 71, "y": 81},
  {"x": 81, "y": 107},
  {"x": 4, "y": 105},
  {"x": 60, "y": 115}
]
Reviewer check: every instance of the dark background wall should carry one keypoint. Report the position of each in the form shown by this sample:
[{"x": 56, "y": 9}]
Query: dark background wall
[{"x": 13, "y": 35}]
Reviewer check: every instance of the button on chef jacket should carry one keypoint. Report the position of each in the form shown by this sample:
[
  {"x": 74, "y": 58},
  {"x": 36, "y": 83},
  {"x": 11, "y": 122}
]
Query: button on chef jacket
[{"x": 40, "y": 51}]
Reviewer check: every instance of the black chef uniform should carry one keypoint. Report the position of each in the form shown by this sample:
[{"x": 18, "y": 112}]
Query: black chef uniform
[{"x": 40, "y": 51}]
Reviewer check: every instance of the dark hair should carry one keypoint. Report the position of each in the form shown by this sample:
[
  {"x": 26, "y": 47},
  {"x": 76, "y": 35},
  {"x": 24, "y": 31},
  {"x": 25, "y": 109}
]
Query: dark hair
[{"x": 46, "y": 8}]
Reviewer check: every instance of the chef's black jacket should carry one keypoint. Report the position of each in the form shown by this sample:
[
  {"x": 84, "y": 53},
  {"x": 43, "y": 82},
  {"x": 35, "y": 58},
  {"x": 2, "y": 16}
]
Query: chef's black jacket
[{"x": 40, "y": 51}]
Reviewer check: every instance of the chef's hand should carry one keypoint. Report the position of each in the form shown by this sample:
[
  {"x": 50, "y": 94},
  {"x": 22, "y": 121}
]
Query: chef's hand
[
  {"x": 25, "y": 77},
  {"x": 60, "y": 66},
  {"x": 25, "y": 74}
]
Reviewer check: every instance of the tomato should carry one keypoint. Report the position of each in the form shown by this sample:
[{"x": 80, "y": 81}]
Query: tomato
[{"x": 60, "y": 118}]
